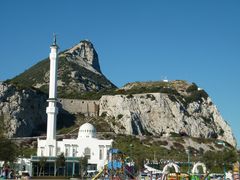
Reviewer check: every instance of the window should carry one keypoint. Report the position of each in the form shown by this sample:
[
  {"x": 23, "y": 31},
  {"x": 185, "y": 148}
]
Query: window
[
  {"x": 87, "y": 153},
  {"x": 92, "y": 167},
  {"x": 41, "y": 151},
  {"x": 101, "y": 152},
  {"x": 108, "y": 147},
  {"x": 50, "y": 150},
  {"x": 74, "y": 150},
  {"x": 58, "y": 151},
  {"x": 67, "y": 150}
]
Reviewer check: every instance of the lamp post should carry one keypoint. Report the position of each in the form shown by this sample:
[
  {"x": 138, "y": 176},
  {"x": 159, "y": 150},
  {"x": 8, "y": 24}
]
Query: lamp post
[
  {"x": 224, "y": 168},
  {"x": 188, "y": 153},
  {"x": 131, "y": 154}
]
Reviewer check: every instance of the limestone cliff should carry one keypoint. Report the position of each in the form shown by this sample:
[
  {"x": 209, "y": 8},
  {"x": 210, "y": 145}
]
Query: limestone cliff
[
  {"x": 166, "y": 114},
  {"x": 85, "y": 55},
  {"x": 22, "y": 111}
]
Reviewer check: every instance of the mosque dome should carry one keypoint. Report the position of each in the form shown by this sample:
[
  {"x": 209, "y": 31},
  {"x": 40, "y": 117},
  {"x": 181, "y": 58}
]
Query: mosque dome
[{"x": 87, "y": 130}]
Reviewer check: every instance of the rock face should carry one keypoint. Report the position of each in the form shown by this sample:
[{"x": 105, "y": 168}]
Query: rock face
[
  {"x": 156, "y": 114},
  {"x": 85, "y": 55},
  {"x": 22, "y": 111}
]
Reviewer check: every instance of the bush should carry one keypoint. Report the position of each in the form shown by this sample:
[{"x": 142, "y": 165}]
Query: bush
[
  {"x": 163, "y": 143},
  {"x": 119, "y": 116},
  {"x": 173, "y": 134},
  {"x": 129, "y": 96},
  {"x": 178, "y": 146},
  {"x": 104, "y": 114},
  {"x": 152, "y": 97},
  {"x": 207, "y": 120},
  {"x": 192, "y": 88},
  {"x": 196, "y": 96},
  {"x": 221, "y": 132}
]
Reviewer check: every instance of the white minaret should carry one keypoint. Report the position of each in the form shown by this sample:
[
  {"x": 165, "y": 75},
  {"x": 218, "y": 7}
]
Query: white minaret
[{"x": 52, "y": 109}]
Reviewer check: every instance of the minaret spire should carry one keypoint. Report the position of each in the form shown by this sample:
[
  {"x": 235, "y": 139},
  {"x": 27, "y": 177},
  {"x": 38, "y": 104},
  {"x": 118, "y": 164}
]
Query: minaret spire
[
  {"x": 54, "y": 39},
  {"x": 52, "y": 109}
]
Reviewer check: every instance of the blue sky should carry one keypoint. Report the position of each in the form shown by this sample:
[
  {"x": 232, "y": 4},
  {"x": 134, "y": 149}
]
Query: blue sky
[{"x": 137, "y": 40}]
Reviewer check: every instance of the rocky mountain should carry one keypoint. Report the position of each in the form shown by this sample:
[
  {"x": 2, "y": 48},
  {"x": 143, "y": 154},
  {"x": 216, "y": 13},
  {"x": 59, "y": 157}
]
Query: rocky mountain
[
  {"x": 175, "y": 108},
  {"x": 78, "y": 72},
  {"x": 157, "y": 109}
]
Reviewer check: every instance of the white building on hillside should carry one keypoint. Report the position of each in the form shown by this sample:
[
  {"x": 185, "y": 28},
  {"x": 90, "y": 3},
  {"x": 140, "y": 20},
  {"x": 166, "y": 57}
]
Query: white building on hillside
[{"x": 86, "y": 143}]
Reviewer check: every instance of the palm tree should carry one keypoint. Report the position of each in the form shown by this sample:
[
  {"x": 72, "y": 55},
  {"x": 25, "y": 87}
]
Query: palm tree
[
  {"x": 42, "y": 163},
  {"x": 83, "y": 162},
  {"x": 60, "y": 162}
]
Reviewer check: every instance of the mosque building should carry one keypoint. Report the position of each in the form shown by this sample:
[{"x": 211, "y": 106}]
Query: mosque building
[{"x": 85, "y": 145}]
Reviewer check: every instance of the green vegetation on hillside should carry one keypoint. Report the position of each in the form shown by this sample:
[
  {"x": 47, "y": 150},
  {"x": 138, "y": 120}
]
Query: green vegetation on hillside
[
  {"x": 8, "y": 149},
  {"x": 141, "y": 150},
  {"x": 2, "y": 126},
  {"x": 39, "y": 75},
  {"x": 160, "y": 149},
  {"x": 178, "y": 90},
  {"x": 33, "y": 75},
  {"x": 191, "y": 94}
]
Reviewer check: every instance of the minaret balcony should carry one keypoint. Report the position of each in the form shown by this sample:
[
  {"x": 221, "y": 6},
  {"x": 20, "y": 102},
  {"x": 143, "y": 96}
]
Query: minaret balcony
[
  {"x": 52, "y": 100},
  {"x": 52, "y": 110}
]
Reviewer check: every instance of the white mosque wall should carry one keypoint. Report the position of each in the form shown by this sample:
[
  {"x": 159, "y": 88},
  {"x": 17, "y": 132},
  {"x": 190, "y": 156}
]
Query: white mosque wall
[
  {"x": 85, "y": 145},
  {"x": 93, "y": 148}
]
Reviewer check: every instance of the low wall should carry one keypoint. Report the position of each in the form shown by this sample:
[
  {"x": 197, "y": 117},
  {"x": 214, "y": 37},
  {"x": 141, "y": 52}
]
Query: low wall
[{"x": 86, "y": 107}]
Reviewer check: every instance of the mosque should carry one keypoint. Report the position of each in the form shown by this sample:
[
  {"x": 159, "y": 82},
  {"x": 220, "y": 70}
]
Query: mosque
[{"x": 85, "y": 145}]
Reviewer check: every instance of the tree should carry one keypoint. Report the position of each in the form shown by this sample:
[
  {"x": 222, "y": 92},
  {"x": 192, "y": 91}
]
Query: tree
[
  {"x": 83, "y": 163},
  {"x": 42, "y": 164},
  {"x": 217, "y": 161},
  {"x": 60, "y": 162},
  {"x": 8, "y": 150},
  {"x": 2, "y": 126}
]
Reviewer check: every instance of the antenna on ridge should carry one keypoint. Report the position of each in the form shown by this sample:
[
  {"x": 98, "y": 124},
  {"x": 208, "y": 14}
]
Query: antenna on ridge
[{"x": 164, "y": 79}]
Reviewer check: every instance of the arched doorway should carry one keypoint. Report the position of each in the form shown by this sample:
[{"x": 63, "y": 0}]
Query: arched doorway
[
  {"x": 87, "y": 153},
  {"x": 196, "y": 170},
  {"x": 171, "y": 165}
]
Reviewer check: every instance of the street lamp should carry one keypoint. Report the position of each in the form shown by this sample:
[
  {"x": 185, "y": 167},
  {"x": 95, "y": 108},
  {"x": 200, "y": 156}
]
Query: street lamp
[
  {"x": 131, "y": 154},
  {"x": 188, "y": 153},
  {"x": 224, "y": 168}
]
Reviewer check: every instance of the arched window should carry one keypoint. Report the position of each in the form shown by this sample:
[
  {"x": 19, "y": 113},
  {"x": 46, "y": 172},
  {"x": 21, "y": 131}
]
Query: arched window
[
  {"x": 67, "y": 150},
  {"x": 51, "y": 150},
  {"x": 101, "y": 152},
  {"x": 87, "y": 152},
  {"x": 74, "y": 150},
  {"x": 42, "y": 151}
]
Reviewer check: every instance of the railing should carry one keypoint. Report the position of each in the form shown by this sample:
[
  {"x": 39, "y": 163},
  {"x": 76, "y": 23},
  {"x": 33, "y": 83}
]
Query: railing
[{"x": 68, "y": 159}]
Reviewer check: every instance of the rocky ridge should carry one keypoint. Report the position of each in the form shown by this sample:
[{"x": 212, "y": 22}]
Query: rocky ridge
[
  {"x": 85, "y": 55},
  {"x": 159, "y": 114}
]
